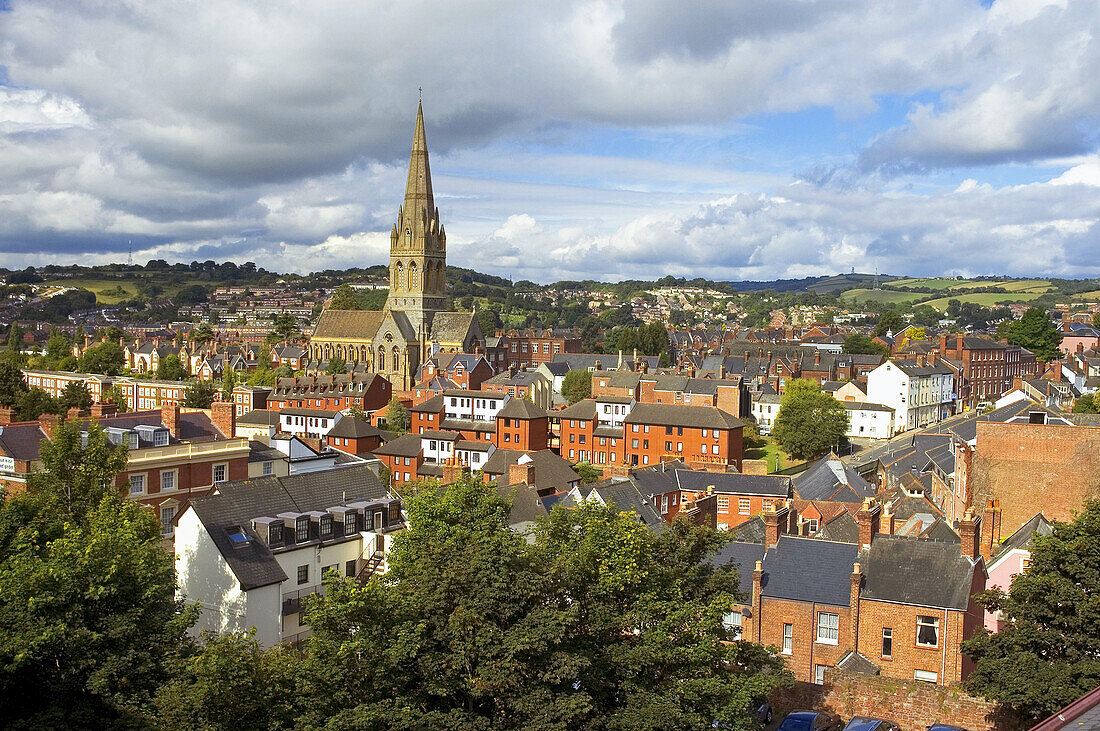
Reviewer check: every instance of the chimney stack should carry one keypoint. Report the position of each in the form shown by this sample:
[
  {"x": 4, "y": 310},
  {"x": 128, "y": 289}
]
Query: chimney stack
[
  {"x": 104, "y": 409},
  {"x": 868, "y": 518},
  {"x": 886, "y": 522},
  {"x": 774, "y": 518},
  {"x": 757, "y": 590},
  {"x": 968, "y": 533},
  {"x": 224, "y": 416},
  {"x": 452, "y": 472},
  {"x": 73, "y": 413},
  {"x": 47, "y": 423},
  {"x": 853, "y": 605},
  {"x": 7, "y": 415},
  {"x": 990, "y": 528},
  {"x": 524, "y": 473},
  {"x": 943, "y": 343},
  {"x": 170, "y": 416}
]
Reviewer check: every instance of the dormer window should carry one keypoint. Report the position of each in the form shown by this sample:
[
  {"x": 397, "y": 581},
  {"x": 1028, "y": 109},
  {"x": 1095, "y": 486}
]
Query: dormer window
[
  {"x": 326, "y": 526},
  {"x": 275, "y": 534},
  {"x": 349, "y": 523},
  {"x": 301, "y": 529},
  {"x": 160, "y": 438}
]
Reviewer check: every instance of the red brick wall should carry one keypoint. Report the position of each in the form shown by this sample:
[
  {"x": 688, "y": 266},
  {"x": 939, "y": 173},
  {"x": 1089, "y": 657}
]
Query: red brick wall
[
  {"x": 1033, "y": 467},
  {"x": 945, "y": 660},
  {"x": 805, "y": 651},
  {"x": 655, "y": 445}
]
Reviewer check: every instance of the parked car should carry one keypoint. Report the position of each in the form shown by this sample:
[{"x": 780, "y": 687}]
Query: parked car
[
  {"x": 945, "y": 727},
  {"x": 866, "y": 723},
  {"x": 761, "y": 709},
  {"x": 811, "y": 721}
]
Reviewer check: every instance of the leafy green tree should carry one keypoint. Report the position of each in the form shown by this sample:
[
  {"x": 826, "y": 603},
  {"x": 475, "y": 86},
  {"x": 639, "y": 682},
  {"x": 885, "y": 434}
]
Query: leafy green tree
[
  {"x": 229, "y": 382},
  {"x": 15, "y": 337},
  {"x": 1086, "y": 404},
  {"x": 34, "y": 402},
  {"x": 115, "y": 395},
  {"x": 202, "y": 334},
  {"x": 489, "y": 320},
  {"x": 170, "y": 368},
  {"x": 344, "y": 298},
  {"x": 1096, "y": 319},
  {"x": 889, "y": 322},
  {"x": 577, "y": 386},
  {"x": 75, "y": 395},
  {"x": 80, "y": 474},
  {"x": 598, "y": 624},
  {"x": 336, "y": 365},
  {"x": 1034, "y": 331},
  {"x": 397, "y": 417},
  {"x": 12, "y": 385},
  {"x": 588, "y": 473},
  {"x": 199, "y": 395},
  {"x": 1047, "y": 653},
  {"x": 58, "y": 349},
  {"x": 107, "y": 358},
  {"x": 262, "y": 376},
  {"x": 809, "y": 422},
  {"x": 231, "y": 683},
  {"x": 284, "y": 326},
  {"x": 861, "y": 344}
]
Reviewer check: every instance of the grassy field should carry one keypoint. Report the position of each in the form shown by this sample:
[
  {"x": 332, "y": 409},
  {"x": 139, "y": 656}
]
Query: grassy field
[
  {"x": 985, "y": 300},
  {"x": 1092, "y": 296},
  {"x": 107, "y": 291},
  {"x": 1029, "y": 285},
  {"x": 932, "y": 282},
  {"x": 881, "y": 296},
  {"x": 769, "y": 452}
]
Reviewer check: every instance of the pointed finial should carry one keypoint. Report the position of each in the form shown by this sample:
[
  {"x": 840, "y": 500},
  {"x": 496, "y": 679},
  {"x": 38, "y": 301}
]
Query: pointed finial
[{"x": 421, "y": 90}]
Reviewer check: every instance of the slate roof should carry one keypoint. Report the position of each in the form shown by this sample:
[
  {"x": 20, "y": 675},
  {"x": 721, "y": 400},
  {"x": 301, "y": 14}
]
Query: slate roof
[
  {"x": 238, "y": 503},
  {"x": 354, "y": 428},
  {"x": 770, "y": 485},
  {"x": 856, "y": 662},
  {"x": 916, "y": 571},
  {"x": 525, "y": 504},
  {"x": 1038, "y": 525},
  {"x": 21, "y": 440},
  {"x": 702, "y": 417},
  {"x": 751, "y": 531},
  {"x": 453, "y": 327},
  {"x": 518, "y": 408},
  {"x": 551, "y": 471},
  {"x": 743, "y": 556},
  {"x": 831, "y": 479},
  {"x": 626, "y": 496},
  {"x": 657, "y": 479},
  {"x": 584, "y": 409},
  {"x": 357, "y": 324},
  {"x": 317, "y": 413},
  {"x": 810, "y": 570},
  {"x": 913, "y": 369},
  {"x": 842, "y": 528},
  {"x": 407, "y": 445},
  {"x": 431, "y": 406},
  {"x": 519, "y": 378}
]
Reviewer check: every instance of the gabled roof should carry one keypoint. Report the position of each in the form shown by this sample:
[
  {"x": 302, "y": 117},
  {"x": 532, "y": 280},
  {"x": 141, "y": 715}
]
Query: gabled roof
[
  {"x": 432, "y": 406},
  {"x": 259, "y": 417},
  {"x": 916, "y": 571},
  {"x": 453, "y": 327},
  {"x": 734, "y": 483},
  {"x": 627, "y": 497},
  {"x": 551, "y": 471},
  {"x": 584, "y": 409},
  {"x": 702, "y": 417},
  {"x": 830, "y": 479},
  {"x": 842, "y": 528},
  {"x": 518, "y": 408},
  {"x": 809, "y": 570},
  {"x": 236, "y": 504},
  {"x": 1021, "y": 539},
  {"x": 743, "y": 557},
  {"x": 356, "y": 324},
  {"x": 406, "y": 445}
]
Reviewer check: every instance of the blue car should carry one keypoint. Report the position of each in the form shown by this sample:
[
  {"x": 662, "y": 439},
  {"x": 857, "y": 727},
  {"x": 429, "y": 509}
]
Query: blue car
[
  {"x": 811, "y": 721},
  {"x": 865, "y": 723}
]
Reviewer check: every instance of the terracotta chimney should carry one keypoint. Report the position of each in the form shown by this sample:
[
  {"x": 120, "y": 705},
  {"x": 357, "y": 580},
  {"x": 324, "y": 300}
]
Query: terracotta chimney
[
  {"x": 224, "y": 416},
  {"x": 853, "y": 606},
  {"x": 968, "y": 533},
  {"x": 958, "y": 341},
  {"x": 757, "y": 590},
  {"x": 104, "y": 409},
  {"x": 774, "y": 518},
  {"x": 452, "y": 473},
  {"x": 886, "y": 522},
  {"x": 47, "y": 423},
  {"x": 943, "y": 343},
  {"x": 868, "y": 519},
  {"x": 170, "y": 416},
  {"x": 73, "y": 413},
  {"x": 7, "y": 415},
  {"x": 817, "y": 356}
]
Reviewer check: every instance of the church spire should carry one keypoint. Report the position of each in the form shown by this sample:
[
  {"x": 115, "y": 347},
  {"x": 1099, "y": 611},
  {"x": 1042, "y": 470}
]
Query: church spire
[{"x": 419, "y": 202}]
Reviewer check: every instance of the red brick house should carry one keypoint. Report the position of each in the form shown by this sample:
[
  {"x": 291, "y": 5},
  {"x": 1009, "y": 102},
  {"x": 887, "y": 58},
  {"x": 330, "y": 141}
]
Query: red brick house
[{"x": 337, "y": 392}]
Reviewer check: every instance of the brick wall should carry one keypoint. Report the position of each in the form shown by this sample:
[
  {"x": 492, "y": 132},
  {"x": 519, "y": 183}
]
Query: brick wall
[
  {"x": 913, "y": 705},
  {"x": 1032, "y": 467}
]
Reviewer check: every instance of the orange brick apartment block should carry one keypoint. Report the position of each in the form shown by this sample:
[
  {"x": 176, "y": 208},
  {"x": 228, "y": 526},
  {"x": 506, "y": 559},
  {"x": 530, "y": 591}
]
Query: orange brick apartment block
[{"x": 900, "y": 604}]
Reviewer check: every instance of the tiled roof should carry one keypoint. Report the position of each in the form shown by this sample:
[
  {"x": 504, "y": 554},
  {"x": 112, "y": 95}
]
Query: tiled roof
[
  {"x": 770, "y": 485},
  {"x": 743, "y": 557},
  {"x": 358, "y": 324},
  {"x": 518, "y": 408},
  {"x": 809, "y": 570},
  {"x": 916, "y": 571}
]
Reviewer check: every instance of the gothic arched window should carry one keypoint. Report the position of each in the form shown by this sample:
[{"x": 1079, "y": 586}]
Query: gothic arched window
[
  {"x": 397, "y": 276},
  {"x": 412, "y": 275}
]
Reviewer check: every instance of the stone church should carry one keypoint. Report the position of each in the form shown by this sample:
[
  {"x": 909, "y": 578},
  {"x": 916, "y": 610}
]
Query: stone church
[{"x": 415, "y": 322}]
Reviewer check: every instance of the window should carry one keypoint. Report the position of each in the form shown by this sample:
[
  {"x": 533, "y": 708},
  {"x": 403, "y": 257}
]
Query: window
[
  {"x": 828, "y": 628},
  {"x": 732, "y": 623},
  {"x": 326, "y": 526},
  {"x": 925, "y": 675},
  {"x": 928, "y": 631},
  {"x": 634, "y": 443},
  {"x": 219, "y": 473},
  {"x": 703, "y": 448},
  {"x": 137, "y": 484},
  {"x": 349, "y": 524},
  {"x": 743, "y": 505},
  {"x": 723, "y": 503},
  {"x": 167, "y": 480},
  {"x": 788, "y": 638},
  {"x": 301, "y": 530},
  {"x": 275, "y": 534},
  {"x": 819, "y": 674},
  {"x": 349, "y": 567},
  {"x": 811, "y": 525},
  {"x": 269, "y": 469},
  {"x": 166, "y": 516},
  {"x": 887, "y": 642},
  {"x": 303, "y": 574},
  {"x": 664, "y": 504}
]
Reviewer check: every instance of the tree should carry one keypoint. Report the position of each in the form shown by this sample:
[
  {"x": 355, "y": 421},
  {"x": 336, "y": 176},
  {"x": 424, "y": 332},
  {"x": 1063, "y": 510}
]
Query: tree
[
  {"x": 809, "y": 422},
  {"x": 75, "y": 396},
  {"x": 1096, "y": 319},
  {"x": 33, "y": 403},
  {"x": 12, "y": 385},
  {"x": 890, "y": 322},
  {"x": 15, "y": 337},
  {"x": 489, "y": 320},
  {"x": 262, "y": 376},
  {"x": 199, "y": 395},
  {"x": 397, "y": 417},
  {"x": 170, "y": 368},
  {"x": 597, "y": 624},
  {"x": 1086, "y": 404},
  {"x": 229, "y": 382},
  {"x": 106, "y": 358},
  {"x": 284, "y": 327},
  {"x": 202, "y": 334},
  {"x": 80, "y": 473},
  {"x": 58, "y": 349},
  {"x": 1033, "y": 331},
  {"x": 861, "y": 344},
  {"x": 231, "y": 683},
  {"x": 336, "y": 365},
  {"x": 344, "y": 298},
  {"x": 1046, "y": 654},
  {"x": 577, "y": 386},
  {"x": 115, "y": 395},
  {"x": 588, "y": 473}
]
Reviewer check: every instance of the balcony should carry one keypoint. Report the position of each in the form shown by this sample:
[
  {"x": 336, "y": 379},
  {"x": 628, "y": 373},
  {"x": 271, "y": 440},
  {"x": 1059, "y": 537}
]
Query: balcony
[{"x": 292, "y": 600}]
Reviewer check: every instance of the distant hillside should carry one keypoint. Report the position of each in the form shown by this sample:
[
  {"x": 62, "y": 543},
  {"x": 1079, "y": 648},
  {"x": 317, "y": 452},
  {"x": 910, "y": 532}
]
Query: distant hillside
[{"x": 820, "y": 285}]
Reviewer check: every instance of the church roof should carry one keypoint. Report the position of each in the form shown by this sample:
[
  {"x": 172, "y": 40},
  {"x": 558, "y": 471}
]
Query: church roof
[
  {"x": 452, "y": 327},
  {"x": 418, "y": 188},
  {"x": 362, "y": 324}
]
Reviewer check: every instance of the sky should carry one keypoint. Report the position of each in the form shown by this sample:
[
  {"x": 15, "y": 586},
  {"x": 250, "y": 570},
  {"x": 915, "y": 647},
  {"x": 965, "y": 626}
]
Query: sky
[{"x": 574, "y": 139}]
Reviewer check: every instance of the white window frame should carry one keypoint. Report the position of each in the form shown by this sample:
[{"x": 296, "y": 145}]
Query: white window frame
[
  {"x": 819, "y": 674},
  {"x": 723, "y": 503},
  {"x": 828, "y": 628},
  {"x": 926, "y": 676},
  {"x": 744, "y": 506},
  {"x": 214, "y": 473},
  {"x": 139, "y": 481},
  {"x": 934, "y": 624},
  {"x": 173, "y": 476},
  {"x": 788, "y": 638}
]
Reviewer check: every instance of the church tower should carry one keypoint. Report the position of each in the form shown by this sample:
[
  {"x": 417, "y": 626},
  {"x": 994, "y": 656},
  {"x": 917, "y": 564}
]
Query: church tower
[{"x": 418, "y": 244}]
